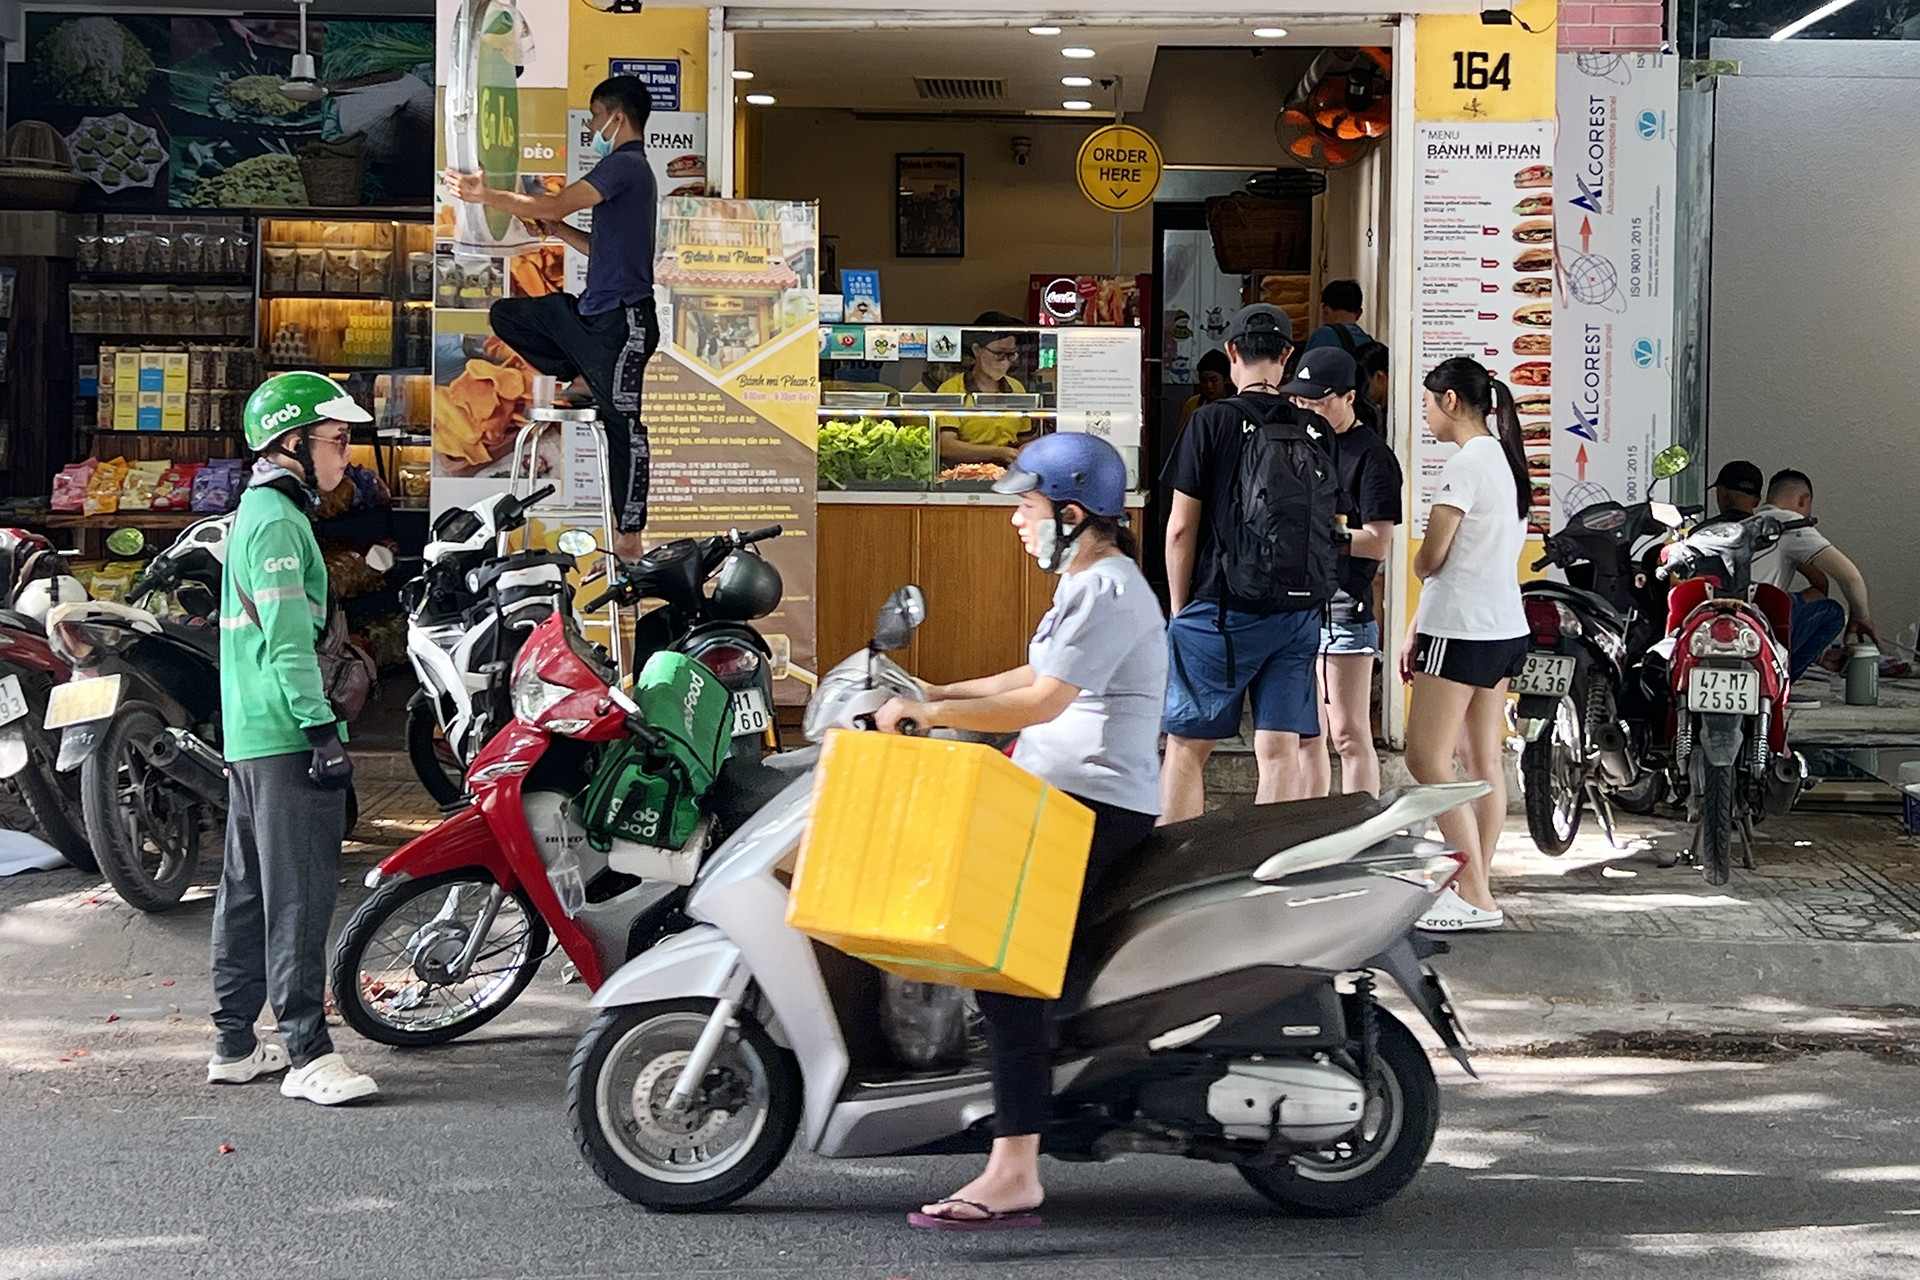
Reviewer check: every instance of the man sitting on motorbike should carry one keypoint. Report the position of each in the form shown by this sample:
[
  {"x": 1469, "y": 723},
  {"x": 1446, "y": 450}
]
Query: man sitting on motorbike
[
  {"x": 1817, "y": 623},
  {"x": 288, "y": 770},
  {"x": 1087, "y": 709}
]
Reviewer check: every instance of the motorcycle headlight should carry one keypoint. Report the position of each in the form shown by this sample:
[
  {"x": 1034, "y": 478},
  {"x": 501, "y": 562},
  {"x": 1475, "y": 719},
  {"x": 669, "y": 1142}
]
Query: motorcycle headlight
[
  {"x": 824, "y": 709},
  {"x": 81, "y": 645},
  {"x": 533, "y": 697}
]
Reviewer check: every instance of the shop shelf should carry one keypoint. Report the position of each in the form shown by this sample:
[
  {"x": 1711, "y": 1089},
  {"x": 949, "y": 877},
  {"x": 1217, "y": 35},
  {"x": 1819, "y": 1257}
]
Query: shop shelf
[
  {"x": 126, "y": 519},
  {"x": 172, "y": 279},
  {"x": 330, "y": 297},
  {"x": 344, "y": 368}
]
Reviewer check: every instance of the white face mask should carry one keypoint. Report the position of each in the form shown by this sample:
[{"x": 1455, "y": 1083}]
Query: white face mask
[{"x": 1046, "y": 540}]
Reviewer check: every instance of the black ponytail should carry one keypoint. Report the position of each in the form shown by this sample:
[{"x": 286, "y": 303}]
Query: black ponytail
[
  {"x": 1486, "y": 395},
  {"x": 1119, "y": 534}
]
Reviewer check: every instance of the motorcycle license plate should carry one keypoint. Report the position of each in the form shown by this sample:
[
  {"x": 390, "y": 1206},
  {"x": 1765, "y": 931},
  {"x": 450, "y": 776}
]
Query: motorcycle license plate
[
  {"x": 750, "y": 712},
  {"x": 1549, "y": 674},
  {"x": 13, "y": 703},
  {"x": 81, "y": 701},
  {"x": 1724, "y": 690}
]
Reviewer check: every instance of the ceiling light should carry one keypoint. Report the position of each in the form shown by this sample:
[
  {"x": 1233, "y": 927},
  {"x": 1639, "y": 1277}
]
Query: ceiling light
[
  {"x": 1798, "y": 25},
  {"x": 1043, "y": 30},
  {"x": 1270, "y": 33},
  {"x": 742, "y": 75},
  {"x": 1076, "y": 82},
  {"x": 1077, "y": 104},
  {"x": 1075, "y": 51},
  {"x": 760, "y": 99}
]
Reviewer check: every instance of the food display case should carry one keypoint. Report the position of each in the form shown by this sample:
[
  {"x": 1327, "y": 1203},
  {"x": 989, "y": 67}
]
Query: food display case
[{"x": 903, "y": 498}]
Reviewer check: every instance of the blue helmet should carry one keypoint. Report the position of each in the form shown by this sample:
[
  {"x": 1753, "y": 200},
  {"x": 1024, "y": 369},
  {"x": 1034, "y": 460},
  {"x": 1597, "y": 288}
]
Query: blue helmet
[{"x": 1070, "y": 466}]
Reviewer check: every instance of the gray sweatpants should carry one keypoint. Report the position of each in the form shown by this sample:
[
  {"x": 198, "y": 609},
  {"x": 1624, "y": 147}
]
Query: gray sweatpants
[{"x": 277, "y": 890}]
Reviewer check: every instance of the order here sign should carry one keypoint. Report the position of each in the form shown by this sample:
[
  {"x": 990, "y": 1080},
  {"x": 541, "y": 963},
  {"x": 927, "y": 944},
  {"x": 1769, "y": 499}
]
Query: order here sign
[{"x": 1119, "y": 167}]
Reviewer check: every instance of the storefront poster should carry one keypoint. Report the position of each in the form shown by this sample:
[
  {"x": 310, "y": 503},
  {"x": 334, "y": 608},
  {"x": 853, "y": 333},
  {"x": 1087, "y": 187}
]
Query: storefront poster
[
  {"x": 731, "y": 394},
  {"x": 1099, "y": 388},
  {"x": 1614, "y": 179},
  {"x": 1483, "y": 276},
  {"x": 676, "y": 144},
  {"x": 187, "y": 112}
]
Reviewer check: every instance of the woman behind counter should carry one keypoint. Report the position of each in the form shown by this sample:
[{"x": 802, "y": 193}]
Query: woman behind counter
[{"x": 988, "y": 373}]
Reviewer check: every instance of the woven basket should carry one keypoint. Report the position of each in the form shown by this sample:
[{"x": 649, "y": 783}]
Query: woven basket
[
  {"x": 335, "y": 172},
  {"x": 23, "y": 187},
  {"x": 1252, "y": 234}
]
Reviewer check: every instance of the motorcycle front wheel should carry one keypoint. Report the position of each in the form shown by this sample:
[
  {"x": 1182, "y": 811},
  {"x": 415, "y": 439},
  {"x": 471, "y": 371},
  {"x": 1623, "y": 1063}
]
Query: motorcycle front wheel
[
  {"x": 1552, "y": 780},
  {"x": 144, "y": 826},
  {"x": 396, "y": 969},
  {"x": 433, "y": 760},
  {"x": 1375, "y": 1162},
  {"x": 733, "y": 1134},
  {"x": 1717, "y": 803}
]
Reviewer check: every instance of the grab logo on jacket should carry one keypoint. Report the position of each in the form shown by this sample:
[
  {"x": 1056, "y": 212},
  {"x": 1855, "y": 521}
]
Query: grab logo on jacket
[{"x": 280, "y": 564}]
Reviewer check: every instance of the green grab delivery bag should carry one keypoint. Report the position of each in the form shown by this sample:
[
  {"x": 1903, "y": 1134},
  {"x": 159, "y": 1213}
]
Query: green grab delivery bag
[{"x": 650, "y": 793}]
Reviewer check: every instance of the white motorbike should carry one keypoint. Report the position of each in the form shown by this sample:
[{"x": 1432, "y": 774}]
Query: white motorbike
[
  {"x": 468, "y": 615},
  {"x": 1222, "y": 1008}
]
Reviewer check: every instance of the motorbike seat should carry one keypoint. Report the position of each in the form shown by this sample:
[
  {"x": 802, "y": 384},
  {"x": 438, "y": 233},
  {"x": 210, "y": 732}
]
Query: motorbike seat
[
  {"x": 204, "y": 638},
  {"x": 742, "y": 789},
  {"x": 1227, "y": 844},
  {"x": 1598, "y": 604},
  {"x": 21, "y": 622}
]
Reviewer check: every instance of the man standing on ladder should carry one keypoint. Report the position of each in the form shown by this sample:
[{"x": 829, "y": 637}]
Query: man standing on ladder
[{"x": 606, "y": 335}]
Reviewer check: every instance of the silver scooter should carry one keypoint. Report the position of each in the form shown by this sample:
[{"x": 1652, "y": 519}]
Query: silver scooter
[{"x": 1221, "y": 1005}]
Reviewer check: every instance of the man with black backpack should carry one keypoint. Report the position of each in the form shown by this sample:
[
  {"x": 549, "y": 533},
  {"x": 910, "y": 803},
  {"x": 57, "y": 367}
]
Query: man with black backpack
[{"x": 1252, "y": 548}]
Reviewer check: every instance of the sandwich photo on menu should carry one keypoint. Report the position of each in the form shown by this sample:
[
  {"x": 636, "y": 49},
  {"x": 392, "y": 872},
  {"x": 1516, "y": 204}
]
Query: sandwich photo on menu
[
  {"x": 1533, "y": 344},
  {"x": 1534, "y": 373},
  {"x": 1539, "y": 467},
  {"x": 1534, "y": 231},
  {"x": 1535, "y": 206},
  {"x": 1535, "y": 315},
  {"x": 1534, "y": 175},
  {"x": 1532, "y": 406},
  {"x": 1534, "y": 286},
  {"x": 1533, "y": 261},
  {"x": 1538, "y": 433}
]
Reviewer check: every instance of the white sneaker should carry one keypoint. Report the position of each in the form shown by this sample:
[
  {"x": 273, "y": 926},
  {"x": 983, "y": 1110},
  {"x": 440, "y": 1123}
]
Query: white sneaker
[
  {"x": 329, "y": 1081},
  {"x": 265, "y": 1059},
  {"x": 1452, "y": 913}
]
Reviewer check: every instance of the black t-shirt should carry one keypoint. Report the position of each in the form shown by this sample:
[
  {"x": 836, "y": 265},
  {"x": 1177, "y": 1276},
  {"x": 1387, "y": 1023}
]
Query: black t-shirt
[
  {"x": 1205, "y": 465},
  {"x": 1370, "y": 478}
]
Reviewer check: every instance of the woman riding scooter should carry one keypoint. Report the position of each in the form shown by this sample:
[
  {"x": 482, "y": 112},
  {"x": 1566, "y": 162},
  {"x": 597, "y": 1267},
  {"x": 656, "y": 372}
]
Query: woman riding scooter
[{"x": 1087, "y": 708}]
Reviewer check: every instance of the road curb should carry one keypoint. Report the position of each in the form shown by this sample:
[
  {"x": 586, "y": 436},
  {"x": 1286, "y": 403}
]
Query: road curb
[{"x": 1814, "y": 972}]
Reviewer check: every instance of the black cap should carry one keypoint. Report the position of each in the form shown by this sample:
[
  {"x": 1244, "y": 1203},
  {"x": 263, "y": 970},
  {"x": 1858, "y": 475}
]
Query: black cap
[
  {"x": 1261, "y": 317},
  {"x": 1740, "y": 476},
  {"x": 1323, "y": 371}
]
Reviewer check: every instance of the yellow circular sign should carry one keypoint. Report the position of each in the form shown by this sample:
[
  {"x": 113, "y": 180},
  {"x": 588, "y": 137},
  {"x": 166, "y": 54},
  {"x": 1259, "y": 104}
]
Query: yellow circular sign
[{"x": 1119, "y": 167}]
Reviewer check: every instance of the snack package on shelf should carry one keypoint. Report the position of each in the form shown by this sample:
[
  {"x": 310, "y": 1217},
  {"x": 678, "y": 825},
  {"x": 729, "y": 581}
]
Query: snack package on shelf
[
  {"x": 103, "y": 487},
  {"x": 70, "y": 486},
  {"x": 113, "y": 580},
  {"x": 138, "y": 485},
  {"x": 217, "y": 487},
  {"x": 175, "y": 490}
]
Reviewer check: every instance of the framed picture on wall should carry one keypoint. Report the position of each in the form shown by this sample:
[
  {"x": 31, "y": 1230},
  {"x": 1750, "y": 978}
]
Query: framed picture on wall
[{"x": 929, "y": 205}]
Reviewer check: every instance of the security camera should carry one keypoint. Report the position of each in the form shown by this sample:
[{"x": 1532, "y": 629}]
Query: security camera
[{"x": 1022, "y": 150}]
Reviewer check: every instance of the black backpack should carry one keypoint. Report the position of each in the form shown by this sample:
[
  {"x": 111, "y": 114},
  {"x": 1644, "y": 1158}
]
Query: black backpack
[{"x": 1277, "y": 546}]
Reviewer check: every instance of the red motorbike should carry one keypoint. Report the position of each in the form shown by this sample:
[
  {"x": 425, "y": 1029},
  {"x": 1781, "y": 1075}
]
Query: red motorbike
[
  {"x": 1730, "y": 642},
  {"x": 461, "y": 917},
  {"x": 33, "y": 581}
]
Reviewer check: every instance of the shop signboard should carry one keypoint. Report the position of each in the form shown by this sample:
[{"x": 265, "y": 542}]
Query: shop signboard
[
  {"x": 1468, "y": 69},
  {"x": 1614, "y": 178},
  {"x": 1119, "y": 167},
  {"x": 660, "y": 75}
]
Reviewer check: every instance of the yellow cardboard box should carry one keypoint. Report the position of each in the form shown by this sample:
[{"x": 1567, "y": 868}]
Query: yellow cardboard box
[
  {"x": 173, "y": 411},
  {"x": 173, "y": 374},
  {"x": 941, "y": 862},
  {"x": 126, "y": 410}
]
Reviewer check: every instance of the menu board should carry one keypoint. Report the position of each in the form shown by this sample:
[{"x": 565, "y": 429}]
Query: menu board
[{"x": 1484, "y": 277}]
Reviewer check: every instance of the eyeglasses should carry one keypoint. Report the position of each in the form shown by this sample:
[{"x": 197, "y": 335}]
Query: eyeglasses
[
  {"x": 342, "y": 443},
  {"x": 999, "y": 354}
]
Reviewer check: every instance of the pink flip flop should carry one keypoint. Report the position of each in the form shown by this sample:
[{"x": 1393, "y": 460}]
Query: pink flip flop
[{"x": 1012, "y": 1219}]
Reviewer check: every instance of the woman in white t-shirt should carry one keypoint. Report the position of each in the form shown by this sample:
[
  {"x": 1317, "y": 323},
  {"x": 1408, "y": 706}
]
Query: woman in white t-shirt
[{"x": 1470, "y": 632}]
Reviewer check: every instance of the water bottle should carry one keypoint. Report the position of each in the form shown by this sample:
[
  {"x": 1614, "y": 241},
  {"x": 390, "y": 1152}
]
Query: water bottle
[{"x": 1863, "y": 674}]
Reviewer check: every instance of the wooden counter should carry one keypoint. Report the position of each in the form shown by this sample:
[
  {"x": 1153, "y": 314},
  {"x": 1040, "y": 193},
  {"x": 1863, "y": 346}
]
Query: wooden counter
[{"x": 985, "y": 594}]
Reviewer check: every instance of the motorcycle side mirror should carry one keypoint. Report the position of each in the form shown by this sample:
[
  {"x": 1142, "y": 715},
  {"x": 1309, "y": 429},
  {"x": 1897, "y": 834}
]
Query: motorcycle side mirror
[
  {"x": 1667, "y": 514},
  {"x": 904, "y": 610},
  {"x": 126, "y": 543},
  {"x": 1671, "y": 461},
  {"x": 577, "y": 543},
  {"x": 379, "y": 558}
]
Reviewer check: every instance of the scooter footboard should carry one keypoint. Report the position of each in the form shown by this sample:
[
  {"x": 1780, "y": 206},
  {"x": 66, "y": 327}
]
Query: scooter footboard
[{"x": 699, "y": 963}]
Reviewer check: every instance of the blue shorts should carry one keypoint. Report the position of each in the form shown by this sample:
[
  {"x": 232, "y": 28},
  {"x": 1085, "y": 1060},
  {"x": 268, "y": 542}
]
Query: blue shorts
[
  {"x": 1361, "y": 639},
  {"x": 1273, "y": 661}
]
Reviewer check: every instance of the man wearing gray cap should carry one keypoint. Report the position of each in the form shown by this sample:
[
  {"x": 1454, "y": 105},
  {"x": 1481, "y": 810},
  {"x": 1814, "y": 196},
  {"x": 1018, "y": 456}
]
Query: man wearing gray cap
[{"x": 1225, "y": 649}]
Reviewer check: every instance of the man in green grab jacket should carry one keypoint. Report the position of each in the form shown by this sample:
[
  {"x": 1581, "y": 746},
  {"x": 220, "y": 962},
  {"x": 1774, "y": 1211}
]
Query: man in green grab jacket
[{"x": 287, "y": 765}]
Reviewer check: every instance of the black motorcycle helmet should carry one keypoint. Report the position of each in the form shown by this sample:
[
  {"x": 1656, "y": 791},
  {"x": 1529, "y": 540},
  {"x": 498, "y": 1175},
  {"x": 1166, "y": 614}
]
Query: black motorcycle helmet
[{"x": 746, "y": 588}]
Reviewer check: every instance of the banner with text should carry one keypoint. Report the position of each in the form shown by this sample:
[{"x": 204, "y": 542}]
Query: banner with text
[{"x": 1615, "y": 174}]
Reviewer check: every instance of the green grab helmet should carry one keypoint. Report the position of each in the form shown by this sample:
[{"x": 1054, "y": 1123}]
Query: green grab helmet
[{"x": 289, "y": 401}]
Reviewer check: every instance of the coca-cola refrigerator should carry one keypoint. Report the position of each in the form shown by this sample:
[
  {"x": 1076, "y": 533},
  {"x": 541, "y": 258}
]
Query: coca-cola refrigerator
[{"x": 1098, "y": 300}]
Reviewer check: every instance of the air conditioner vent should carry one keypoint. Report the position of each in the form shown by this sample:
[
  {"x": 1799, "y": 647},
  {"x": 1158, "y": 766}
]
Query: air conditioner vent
[{"x": 958, "y": 89}]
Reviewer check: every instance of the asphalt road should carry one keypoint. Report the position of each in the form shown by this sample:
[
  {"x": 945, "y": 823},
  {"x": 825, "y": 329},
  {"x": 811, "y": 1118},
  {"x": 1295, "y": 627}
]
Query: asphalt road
[{"x": 1616, "y": 1166}]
